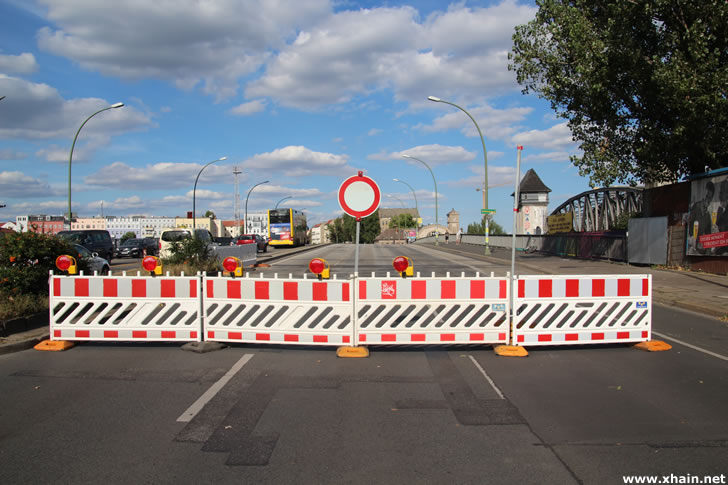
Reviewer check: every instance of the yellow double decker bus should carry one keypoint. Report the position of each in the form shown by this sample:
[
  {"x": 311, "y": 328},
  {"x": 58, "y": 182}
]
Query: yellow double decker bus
[{"x": 286, "y": 227}]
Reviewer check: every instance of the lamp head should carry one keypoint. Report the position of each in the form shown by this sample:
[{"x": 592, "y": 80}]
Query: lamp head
[
  {"x": 406, "y": 156},
  {"x": 115, "y": 105},
  {"x": 222, "y": 158},
  {"x": 434, "y": 98},
  {"x": 395, "y": 180}
]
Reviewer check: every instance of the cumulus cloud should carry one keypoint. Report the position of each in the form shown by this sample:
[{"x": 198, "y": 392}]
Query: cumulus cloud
[
  {"x": 34, "y": 111},
  {"x": 187, "y": 42},
  {"x": 495, "y": 123},
  {"x": 122, "y": 175},
  {"x": 247, "y": 109},
  {"x": 20, "y": 186},
  {"x": 299, "y": 161},
  {"x": 430, "y": 154},
  {"x": 556, "y": 137},
  {"x": 20, "y": 64}
]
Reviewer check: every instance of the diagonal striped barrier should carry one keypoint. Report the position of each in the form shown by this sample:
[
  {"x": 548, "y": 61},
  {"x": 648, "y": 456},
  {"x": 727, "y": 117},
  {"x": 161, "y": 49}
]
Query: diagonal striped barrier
[
  {"x": 568, "y": 310},
  {"x": 125, "y": 308}
]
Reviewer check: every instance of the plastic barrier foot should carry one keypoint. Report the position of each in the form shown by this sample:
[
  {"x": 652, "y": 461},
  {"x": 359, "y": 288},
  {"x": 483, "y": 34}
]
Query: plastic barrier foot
[
  {"x": 54, "y": 345},
  {"x": 653, "y": 346},
  {"x": 511, "y": 351},
  {"x": 353, "y": 352}
]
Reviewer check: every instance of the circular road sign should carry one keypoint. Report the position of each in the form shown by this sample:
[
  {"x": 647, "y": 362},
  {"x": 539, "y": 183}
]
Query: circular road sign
[{"x": 359, "y": 196}]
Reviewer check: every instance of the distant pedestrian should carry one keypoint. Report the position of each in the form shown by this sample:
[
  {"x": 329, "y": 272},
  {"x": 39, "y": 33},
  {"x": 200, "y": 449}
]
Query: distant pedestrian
[
  {"x": 447, "y": 238},
  {"x": 459, "y": 236}
]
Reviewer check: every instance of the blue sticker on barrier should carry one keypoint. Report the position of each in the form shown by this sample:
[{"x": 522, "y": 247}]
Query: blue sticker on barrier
[
  {"x": 641, "y": 304},
  {"x": 499, "y": 307}
]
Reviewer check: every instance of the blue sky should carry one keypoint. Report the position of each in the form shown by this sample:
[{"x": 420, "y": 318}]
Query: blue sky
[{"x": 303, "y": 93}]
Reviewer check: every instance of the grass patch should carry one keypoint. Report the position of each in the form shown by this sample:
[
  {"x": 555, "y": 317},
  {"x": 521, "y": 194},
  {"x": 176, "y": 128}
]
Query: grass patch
[{"x": 22, "y": 306}]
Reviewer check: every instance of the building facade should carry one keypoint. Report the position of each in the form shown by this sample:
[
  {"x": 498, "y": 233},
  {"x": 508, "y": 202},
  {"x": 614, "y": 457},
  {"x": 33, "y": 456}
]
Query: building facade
[
  {"x": 533, "y": 197},
  {"x": 40, "y": 223}
]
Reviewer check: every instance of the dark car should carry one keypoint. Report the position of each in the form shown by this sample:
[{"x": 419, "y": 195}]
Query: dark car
[
  {"x": 95, "y": 240},
  {"x": 253, "y": 239},
  {"x": 137, "y": 248},
  {"x": 224, "y": 241}
]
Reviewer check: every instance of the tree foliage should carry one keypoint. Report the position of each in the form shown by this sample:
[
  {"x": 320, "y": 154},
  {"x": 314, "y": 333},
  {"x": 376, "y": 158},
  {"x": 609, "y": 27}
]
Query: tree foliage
[
  {"x": 344, "y": 229},
  {"x": 494, "y": 229},
  {"x": 643, "y": 85},
  {"x": 402, "y": 221}
]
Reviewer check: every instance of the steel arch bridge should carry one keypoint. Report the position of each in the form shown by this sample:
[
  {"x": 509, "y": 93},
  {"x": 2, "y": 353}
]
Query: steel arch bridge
[{"x": 598, "y": 209}]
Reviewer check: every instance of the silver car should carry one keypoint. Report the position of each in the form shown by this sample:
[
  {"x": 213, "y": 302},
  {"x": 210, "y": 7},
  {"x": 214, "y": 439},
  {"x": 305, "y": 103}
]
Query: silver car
[{"x": 95, "y": 263}]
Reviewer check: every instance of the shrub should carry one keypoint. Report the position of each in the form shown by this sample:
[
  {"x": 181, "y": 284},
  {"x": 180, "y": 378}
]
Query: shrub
[
  {"x": 25, "y": 260},
  {"x": 193, "y": 254}
]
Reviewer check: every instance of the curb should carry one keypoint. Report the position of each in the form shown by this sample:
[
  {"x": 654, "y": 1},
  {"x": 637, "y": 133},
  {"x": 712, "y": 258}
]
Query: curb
[{"x": 25, "y": 344}]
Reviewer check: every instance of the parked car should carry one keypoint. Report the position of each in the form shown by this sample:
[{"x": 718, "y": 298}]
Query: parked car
[
  {"x": 169, "y": 236},
  {"x": 253, "y": 239},
  {"x": 137, "y": 248},
  {"x": 95, "y": 240},
  {"x": 224, "y": 241},
  {"x": 94, "y": 261}
]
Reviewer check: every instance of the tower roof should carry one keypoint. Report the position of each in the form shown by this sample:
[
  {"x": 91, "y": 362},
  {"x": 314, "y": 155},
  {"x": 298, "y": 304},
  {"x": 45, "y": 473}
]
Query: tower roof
[{"x": 532, "y": 183}]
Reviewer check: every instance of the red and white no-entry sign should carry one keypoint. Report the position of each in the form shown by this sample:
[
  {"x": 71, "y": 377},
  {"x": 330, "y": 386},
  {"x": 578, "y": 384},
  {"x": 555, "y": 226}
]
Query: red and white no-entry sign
[{"x": 359, "y": 196}]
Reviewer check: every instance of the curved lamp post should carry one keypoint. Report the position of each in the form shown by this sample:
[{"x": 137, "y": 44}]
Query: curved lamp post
[
  {"x": 485, "y": 158},
  {"x": 70, "y": 157},
  {"x": 246, "y": 202},
  {"x": 413, "y": 193},
  {"x": 437, "y": 240},
  {"x": 284, "y": 198},
  {"x": 194, "y": 191}
]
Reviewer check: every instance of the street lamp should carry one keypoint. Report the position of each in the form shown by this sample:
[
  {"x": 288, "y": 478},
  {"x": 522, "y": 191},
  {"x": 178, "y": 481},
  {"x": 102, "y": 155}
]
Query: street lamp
[
  {"x": 70, "y": 157},
  {"x": 194, "y": 191},
  {"x": 485, "y": 158},
  {"x": 246, "y": 202},
  {"x": 437, "y": 240},
  {"x": 413, "y": 193},
  {"x": 284, "y": 198}
]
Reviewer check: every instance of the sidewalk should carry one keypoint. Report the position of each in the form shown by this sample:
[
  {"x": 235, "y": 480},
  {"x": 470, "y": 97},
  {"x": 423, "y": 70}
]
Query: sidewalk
[{"x": 699, "y": 292}]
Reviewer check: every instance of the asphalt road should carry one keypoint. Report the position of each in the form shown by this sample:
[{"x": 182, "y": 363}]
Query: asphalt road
[{"x": 132, "y": 413}]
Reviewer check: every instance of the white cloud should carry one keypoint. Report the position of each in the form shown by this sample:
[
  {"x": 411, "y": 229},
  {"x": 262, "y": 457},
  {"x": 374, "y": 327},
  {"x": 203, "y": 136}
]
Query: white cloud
[
  {"x": 554, "y": 138},
  {"x": 8, "y": 154},
  {"x": 558, "y": 156},
  {"x": 495, "y": 123},
  {"x": 157, "y": 176},
  {"x": 21, "y": 186},
  {"x": 20, "y": 64},
  {"x": 37, "y": 111},
  {"x": 187, "y": 42},
  {"x": 430, "y": 154},
  {"x": 298, "y": 161},
  {"x": 247, "y": 109}
]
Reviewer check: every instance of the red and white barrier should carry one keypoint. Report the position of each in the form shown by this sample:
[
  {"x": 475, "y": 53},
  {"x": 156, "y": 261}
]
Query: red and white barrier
[
  {"x": 278, "y": 311},
  {"x": 125, "y": 308},
  {"x": 432, "y": 311},
  {"x": 577, "y": 310}
]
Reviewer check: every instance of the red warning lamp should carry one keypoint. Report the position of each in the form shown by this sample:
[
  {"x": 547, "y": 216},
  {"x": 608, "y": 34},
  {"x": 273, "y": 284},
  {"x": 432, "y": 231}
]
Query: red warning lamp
[
  {"x": 233, "y": 266},
  {"x": 65, "y": 262},
  {"x": 319, "y": 267},
  {"x": 152, "y": 264},
  {"x": 403, "y": 265}
]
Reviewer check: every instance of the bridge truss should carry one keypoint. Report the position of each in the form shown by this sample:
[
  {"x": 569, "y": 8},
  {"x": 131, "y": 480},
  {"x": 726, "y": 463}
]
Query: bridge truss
[{"x": 598, "y": 209}]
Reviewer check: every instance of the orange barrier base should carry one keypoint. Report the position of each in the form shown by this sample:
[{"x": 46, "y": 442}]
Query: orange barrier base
[
  {"x": 352, "y": 352},
  {"x": 653, "y": 346},
  {"x": 511, "y": 351},
  {"x": 54, "y": 345}
]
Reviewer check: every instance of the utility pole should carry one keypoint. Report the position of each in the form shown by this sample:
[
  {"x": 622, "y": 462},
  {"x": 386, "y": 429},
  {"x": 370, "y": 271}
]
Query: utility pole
[{"x": 237, "y": 172}]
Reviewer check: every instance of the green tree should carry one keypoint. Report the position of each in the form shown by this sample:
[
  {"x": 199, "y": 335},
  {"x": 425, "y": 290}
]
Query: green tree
[
  {"x": 643, "y": 85},
  {"x": 402, "y": 221},
  {"x": 127, "y": 235},
  {"x": 344, "y": 229},
  {"x": 494, "y": 229},
  {"x": 209, "y": 213}
]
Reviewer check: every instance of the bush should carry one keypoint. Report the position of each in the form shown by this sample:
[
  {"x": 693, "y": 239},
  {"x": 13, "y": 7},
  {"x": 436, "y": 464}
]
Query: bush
[
  {"x": 193, "y": 254},
  {"x": 26, "y": 259}
]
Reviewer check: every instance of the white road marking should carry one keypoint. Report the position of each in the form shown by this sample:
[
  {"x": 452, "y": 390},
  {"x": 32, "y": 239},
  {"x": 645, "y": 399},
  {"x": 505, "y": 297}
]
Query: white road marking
[
  {"x": 699, "y": 349},
  {"x": 487, "y": 377},
  {"x": 214, "y": 389}
]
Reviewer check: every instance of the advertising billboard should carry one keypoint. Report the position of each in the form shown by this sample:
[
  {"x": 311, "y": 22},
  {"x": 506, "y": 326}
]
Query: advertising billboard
[{"x": 708, "y": 217}]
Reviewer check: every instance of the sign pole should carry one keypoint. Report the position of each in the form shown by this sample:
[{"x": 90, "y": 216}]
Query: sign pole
[
  {"x": 356, "y": 249},
  {"x": 516, "y": 205}
]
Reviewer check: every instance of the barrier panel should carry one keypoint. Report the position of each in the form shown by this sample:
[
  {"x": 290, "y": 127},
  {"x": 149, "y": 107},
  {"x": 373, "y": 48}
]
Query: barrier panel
[
  {"x": 278, "y": 311},
  {"x": 568, "y": 310},
  {"x": 432, "y": 310},
  {"x": 124, "y": 307}
]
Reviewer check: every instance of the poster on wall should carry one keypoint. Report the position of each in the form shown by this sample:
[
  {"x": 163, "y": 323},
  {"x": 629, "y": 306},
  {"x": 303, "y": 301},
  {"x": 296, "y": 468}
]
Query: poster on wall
[{"x": 708, "y": 217}]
